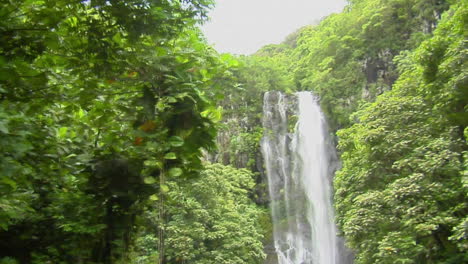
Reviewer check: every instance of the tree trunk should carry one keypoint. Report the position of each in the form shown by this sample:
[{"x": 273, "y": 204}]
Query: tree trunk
[{"x": 162, "y": 182}]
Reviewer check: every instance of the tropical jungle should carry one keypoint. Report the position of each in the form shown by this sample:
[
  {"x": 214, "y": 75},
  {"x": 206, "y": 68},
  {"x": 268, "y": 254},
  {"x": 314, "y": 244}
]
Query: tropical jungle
[{"x": 126, "y": 138}]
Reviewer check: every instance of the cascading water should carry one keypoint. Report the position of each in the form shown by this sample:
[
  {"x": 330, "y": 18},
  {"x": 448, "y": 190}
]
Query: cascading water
[{"x": 299, "y": 167}]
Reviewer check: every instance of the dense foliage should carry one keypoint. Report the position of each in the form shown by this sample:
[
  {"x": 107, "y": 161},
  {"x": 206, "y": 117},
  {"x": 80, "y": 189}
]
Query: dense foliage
[
  {"x": 103, "y": 105},
  {"x": 348, "y": 57},
  {"x": 106, "y": 107},
  {"x": 212, "y": 220},
  {"x": 241, "y": 128},
  {"x": 401, "y": 194}
]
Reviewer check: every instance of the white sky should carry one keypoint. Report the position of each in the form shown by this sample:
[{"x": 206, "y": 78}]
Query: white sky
[{"x": 244, "y": 26}]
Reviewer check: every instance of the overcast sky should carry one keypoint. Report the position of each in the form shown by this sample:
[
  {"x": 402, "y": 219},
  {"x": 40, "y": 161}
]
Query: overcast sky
[{"x": 244, "y": 26}]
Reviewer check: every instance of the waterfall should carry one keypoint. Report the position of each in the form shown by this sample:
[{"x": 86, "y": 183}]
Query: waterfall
[{"x": 298, "y": 161}]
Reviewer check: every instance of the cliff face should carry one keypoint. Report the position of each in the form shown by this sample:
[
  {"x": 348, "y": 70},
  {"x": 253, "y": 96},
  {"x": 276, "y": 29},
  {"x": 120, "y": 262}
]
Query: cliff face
[{"x": 351, "y": 57}]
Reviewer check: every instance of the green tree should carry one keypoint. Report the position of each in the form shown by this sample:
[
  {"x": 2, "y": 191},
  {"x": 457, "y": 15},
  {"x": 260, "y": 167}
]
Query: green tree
[{"x": 210, "y": 219}]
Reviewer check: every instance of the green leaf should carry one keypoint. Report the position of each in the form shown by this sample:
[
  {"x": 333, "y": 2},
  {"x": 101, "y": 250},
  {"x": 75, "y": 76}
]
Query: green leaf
[
  {"x": 153, "y": 163},
  {"x": 149, "y": 180},
  {"x": 170, "y": 156},
  {"x": 10, "y": 182},
  {"x": 3, "y": 127},
  {"x": 161, "y": 51},
  {"x": 213, "y": 113},
  {"x": 161, "y": 106},
  {"x": 164, "y": 188},
  {"x": 62, "y": 132},
  {"x": 171, "y": 99},
  {"x": 176, "y": 141},
  {"x": 175, "y": 172},
  {"x": 80, "y": 113},
  {"x": 117, "y": 38}
]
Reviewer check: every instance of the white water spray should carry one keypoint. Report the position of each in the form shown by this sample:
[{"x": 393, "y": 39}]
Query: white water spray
[{"x": 298, "y": 167}]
